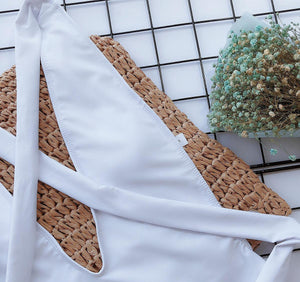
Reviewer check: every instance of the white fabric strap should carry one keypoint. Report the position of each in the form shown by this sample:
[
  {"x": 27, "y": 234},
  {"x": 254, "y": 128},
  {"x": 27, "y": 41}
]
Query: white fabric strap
[
  {"x": 174, "y": 214},
  {"x": 22, "y": 236}
]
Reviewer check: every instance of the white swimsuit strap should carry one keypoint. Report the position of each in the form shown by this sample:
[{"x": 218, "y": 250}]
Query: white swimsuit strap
[
  {"x": 23, "y": 222},
  {"x": 23, "y": 152},
  {"x": 169, "y": 213}
]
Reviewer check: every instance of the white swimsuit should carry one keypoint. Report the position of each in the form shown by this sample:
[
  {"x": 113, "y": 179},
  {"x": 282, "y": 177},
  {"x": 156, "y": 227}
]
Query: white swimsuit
[{"x": 156, "y": 218}]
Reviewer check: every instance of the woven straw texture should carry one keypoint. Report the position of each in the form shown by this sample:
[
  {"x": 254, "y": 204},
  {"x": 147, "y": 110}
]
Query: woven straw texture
[{"x": 71, "y": 223}]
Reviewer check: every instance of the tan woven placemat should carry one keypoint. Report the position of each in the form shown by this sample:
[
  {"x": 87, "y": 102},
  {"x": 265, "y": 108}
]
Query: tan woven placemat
[{"x": 234, "y": 184}]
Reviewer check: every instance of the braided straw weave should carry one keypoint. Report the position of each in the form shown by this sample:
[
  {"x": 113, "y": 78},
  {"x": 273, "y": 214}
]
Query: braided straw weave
[{"x": 71, "y": 223}]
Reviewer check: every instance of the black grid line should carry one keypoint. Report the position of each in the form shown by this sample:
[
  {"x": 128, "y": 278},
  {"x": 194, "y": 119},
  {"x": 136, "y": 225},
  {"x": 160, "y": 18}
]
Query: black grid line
[
  {"x": 259, "y": 168},
  {"x": 172, "y": 25},
  {"x": 200, "y": 59},
  {"x": 155, "y": 46},
  {"x": 232, "y": 10},
  {"x": 263, "y": 159},
  {"x": 64, "y": 5},
  {"x": 274, "y": 11},
  {"x": 109, "y": 19},
  {"x": 199, "y": 53}
]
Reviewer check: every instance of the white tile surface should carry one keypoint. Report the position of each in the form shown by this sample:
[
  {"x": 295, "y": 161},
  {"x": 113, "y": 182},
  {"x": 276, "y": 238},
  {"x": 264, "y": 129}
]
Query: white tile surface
[
  {"x": 166, "y": 13},
  {"x": 153, "y": 74},
  {"x": 196, "y": 110},
  {"x": 128, "y": 15},
  {"x": 183, "y": 80},
  {"x": 288, "y": 17},
  {"x": 286, "y": 184},
  {"x": 7, "y": 29},
  {"x": 253, "y": 6},
  {"x": 286, "y": 4},
  {"x": 141, "y": 47},
  {"x": 285, "y": 146},
  {"x": 92, "y": 18},
  {"x": 10, "y": 5},
  {"x": 212, "y": 9},
  {"x": 211, "y": 136},
  {"x": 175, "y": 44},
  {"x": 247, "y": 149},
  {"x": 209, "y": 72},
  {"x": 7, "y": 59},
  {"x": 71, "y": 1},
  {"x": 212, "y": 37}
]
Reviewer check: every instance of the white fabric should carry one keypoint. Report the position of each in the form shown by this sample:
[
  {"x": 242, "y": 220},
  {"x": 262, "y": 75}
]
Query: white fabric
[
  {"x": 24, "y": 204},
  {"x": 155, "y": 216}
]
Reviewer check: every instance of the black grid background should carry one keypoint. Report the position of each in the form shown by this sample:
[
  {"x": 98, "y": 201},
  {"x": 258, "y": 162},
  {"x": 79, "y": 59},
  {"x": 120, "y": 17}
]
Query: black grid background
[{"x": 260, "y": 168}]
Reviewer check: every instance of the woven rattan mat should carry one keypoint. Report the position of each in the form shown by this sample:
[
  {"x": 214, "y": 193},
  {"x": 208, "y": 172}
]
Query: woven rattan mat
[{"x": 234, "y": 184}]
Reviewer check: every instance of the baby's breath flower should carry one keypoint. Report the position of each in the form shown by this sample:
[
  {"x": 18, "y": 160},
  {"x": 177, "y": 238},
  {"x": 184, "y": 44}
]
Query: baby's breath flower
[
  {"x": 256, "y": 86},
  {"x": 244, "y": 134},
  {"x": 273, "y": 151},
  {"x": 276, "y": 89},
  {"x": 271, "y": 114},
  {"x": 284, "y": 81},
  {"x": 292, "y": 158},
  {"x": 297, "y": 57},
  {"x": 292, "y": 116},
  {"x": 259, "y": 86}
]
